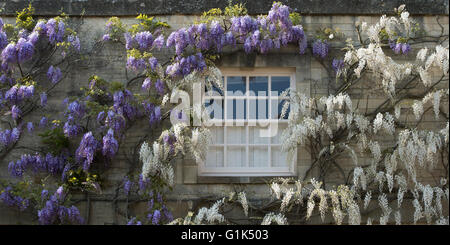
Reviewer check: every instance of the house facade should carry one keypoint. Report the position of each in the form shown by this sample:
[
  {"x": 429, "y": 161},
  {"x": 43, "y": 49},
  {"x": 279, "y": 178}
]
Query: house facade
[{"x": 239, "y": 159}]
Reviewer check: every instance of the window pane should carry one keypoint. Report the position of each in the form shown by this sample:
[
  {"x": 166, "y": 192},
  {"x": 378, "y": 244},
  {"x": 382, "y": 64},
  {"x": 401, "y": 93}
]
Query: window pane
[
  {"x": 236, "y": 109},
  {"x": 279, "y": 84},
  {"x": 279, "y": 157},
  {"x": 217, "y": 135},
  {"x": 214, "y": 157},
  {"x": 277, "y": 107},
  {"x": 236, "y": 135},
  {"x": 215, "y": 109},
  {"x": 277, "y": 138},
  {"x": 258, "y": 157},
  {"x": 236, "y": 86},
  {"x": 259, "y": 86},
  {"x": 255, "y": 136},
  {"x": 236, "y": 156},
  {"x": 259, "y": 109}
]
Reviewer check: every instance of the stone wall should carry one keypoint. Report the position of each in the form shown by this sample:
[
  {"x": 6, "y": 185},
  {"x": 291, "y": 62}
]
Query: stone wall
[{"x": 109, "y": 63}]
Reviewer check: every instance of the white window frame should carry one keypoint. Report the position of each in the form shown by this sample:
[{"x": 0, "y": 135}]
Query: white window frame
[{"x": 289, "y": 170}]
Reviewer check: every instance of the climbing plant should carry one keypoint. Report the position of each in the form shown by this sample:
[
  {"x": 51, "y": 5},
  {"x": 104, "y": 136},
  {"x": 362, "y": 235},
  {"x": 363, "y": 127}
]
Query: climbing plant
[{"x": 78, "y": 146}]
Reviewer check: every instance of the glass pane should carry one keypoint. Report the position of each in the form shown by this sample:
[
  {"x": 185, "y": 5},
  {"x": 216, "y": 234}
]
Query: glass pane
[
  {"x": 236, "y": 135},
  {"x": 258, "y": 157},
  {"x": 279, "y": 84},
  {"x": 259, "y": 109},
  {"x": 236, "y": 86},
  {"x": 255, "y": 136},
  {"x": 279, "y": 158},
  {"x": 217, "y": 135},
  {"x": 215, "y": 108},
  {"x": 236, "y": 156},
  {"x": 214, "y": 157},
  {"x": 277, "y": 107},
  {"x": 236, "y": 109},
  {"x": 215, "y": 91},
  {"x": 259, "y": 86},
  {"x": 277, "y": 138}
]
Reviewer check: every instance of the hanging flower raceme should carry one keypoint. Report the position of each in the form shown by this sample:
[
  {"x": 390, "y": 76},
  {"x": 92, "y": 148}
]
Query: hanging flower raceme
[
  {"x": 110, "y": 145},
  {"x": 43, "y": 99},
  {"x": 75, "y": 41},
  {"x": 144, "y": 40},
  {"x": 51, "y": 30},
  {"x": 115, "y": 121},
  {"x": 54, "y": 211},
  {"x": 9, "y": 54},
  {"x": 127, "y": 185},
  {"x": 147, "y": 84},
  {"x": 74, "y": 112},
  {"x": 169, "y": 140},
  {"x": 17, "y": 93},
  {"x": 43, "y": 122},
  {"x": 8, "y": 198},
  {"x": 30, "y": 127},
  {"x": 9, "y": 137},
  {"x": 54, "y": 74},
  {"x": 399, "y": 47},
  {"x": 86, "y": 150},
  {"x": 320, "y": 48},
  {"x": 338, "y": 65},
  {"x": 25, "y": 50},
  {"x": 37, "y": 163},
  {"x": 123, "y": 104},
  {"x": 3, "y": 40},
  {"x": 15, "y": 112},
  {"x": 154, "y": 113}
]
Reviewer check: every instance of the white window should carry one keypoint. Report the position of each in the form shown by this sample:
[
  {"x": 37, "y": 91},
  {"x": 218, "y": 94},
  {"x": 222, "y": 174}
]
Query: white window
[{"x": 243, "y": 111}]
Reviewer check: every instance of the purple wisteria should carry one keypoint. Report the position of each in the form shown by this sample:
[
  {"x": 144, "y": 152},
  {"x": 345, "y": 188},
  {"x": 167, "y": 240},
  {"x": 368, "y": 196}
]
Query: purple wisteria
[
  {"x": 153, "y": 112},
  {"x": 37, "y": 163},
  {"x": 8, "y": 198},
  {"x": 54, "y": 74},
  {"x": 127, "y": 185},
  {"x": 110, "y": 145},
  {"x": 9, "y": 137},
  {"x": 399, "y": 48},
  {"x": 43, "y": 99},
  {"x": 320, "y": 48},
  {"x": 86, "y": 150},
  {"x": 337, "y": 65},
  {"x": 17, "y": 94},
  {"x": 75, "y": 112},
  {"x": 54, "y": 211}
]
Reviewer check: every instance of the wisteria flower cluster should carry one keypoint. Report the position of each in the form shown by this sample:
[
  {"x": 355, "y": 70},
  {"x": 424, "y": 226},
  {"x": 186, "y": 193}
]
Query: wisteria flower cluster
[
  {"x": 54, "y": 212},
  {"x": 8, "y": 137},
  {"x": 37, "y": 163},
  {"x": 400, "y": 48},
  {"x": 8, "y": 198}
]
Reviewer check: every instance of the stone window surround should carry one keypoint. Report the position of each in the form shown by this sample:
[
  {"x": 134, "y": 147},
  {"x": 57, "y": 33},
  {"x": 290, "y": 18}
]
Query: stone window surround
[
  {"x": 288, "y": 57},
  {"x": 289, "y": 170}
]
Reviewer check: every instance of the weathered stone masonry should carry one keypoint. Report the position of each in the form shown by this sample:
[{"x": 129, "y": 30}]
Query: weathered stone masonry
[{"x": 110, "y": 62}]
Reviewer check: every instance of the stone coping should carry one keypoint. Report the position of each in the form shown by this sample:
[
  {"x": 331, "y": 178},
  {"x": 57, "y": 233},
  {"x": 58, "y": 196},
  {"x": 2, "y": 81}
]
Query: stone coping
[{"x": 194, "y": 7}]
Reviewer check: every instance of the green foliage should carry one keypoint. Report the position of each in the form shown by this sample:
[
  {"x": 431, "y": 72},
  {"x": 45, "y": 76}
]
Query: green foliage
[
  {"x": 136, "y": 53},
  {"x": 236, "y": 9},
  {"x": 295, "y": 18},
  {"x": 147, "y": 23},
  {"x": 116, "y": 28},
  {"x": 55, "y": 140},
  {"x": 25, "y": 19},
  {"x": 217, "y": 14}
]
